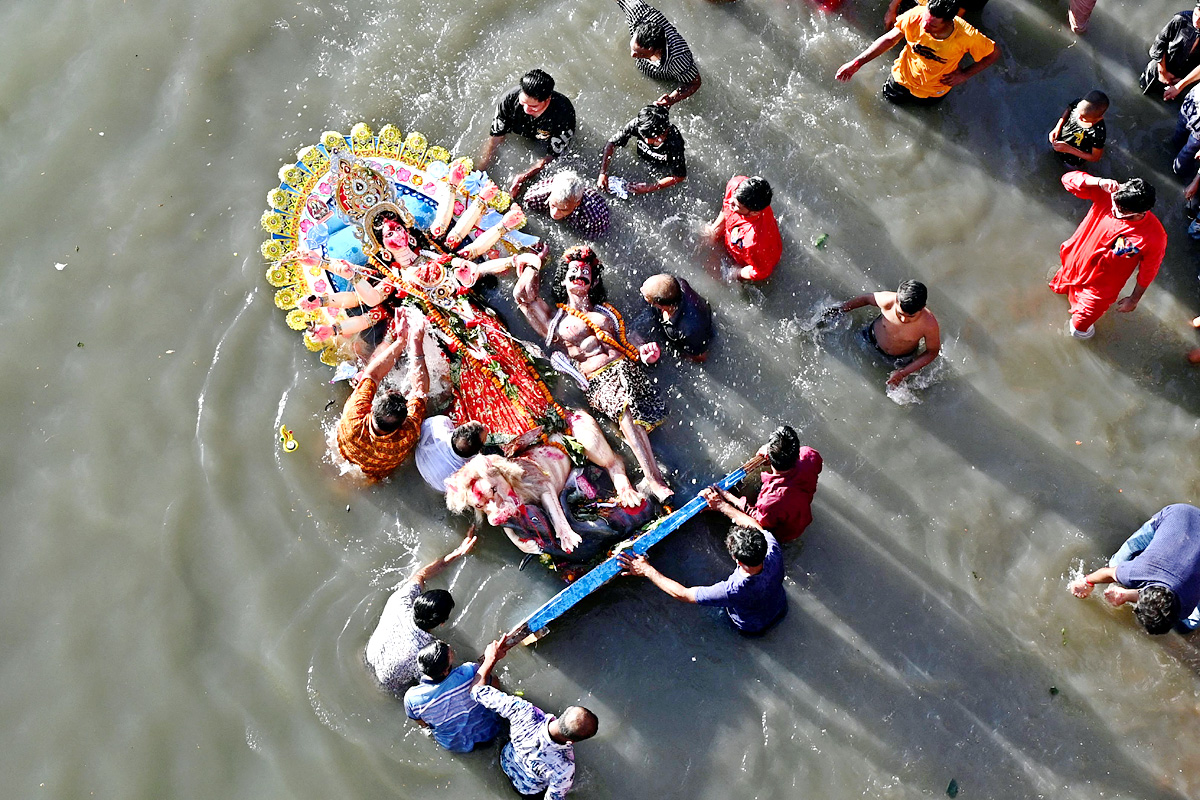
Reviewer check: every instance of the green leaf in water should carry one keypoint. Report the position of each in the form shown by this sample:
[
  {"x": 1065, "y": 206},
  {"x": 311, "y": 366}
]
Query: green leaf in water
[
  {"x": 1064, "y": 635},
  {"x": 79, "y": 344},
  {"x": 820, "y": 241},
  {"x": 952, "y": 789},
  {"x": 1054, "y": 691}
]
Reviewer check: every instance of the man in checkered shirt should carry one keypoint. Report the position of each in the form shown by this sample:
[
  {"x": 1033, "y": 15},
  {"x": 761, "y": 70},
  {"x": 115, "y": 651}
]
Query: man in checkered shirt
[
  {"x": 540, "y": 755},
  {"x": 659, "y": 50}
]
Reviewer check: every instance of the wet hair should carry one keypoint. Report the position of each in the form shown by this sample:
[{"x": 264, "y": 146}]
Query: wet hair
[
  {"x": 1135, "y": 196},
  {"x": 587, "y": 255},
  {"x": 566, "y": 185},
  {"x": 747, "y": 546},
  {"x": 537, "y": 84},
  {"x": 420, "y": 240},
  {"x": 1157, "y": 608},
  {"x": 652, "y": 122},
  {"x": 651, "y": 35},
  {"x": 432, "y": 608},
  {"x": 912, "y": 296},
  {"x": 662, "y": 290},
  {"x": 390, "y": 409},
  {"x": 754, "y": 193},
  {"x": 783, "y": 448},
  {"x": 578, "y": 723},
  {"x": 434, "y": 660},
  {"x": 944, "y": 9},
  {"x": 1097, "y": 100},
  {"x": 468, "y": 439}
]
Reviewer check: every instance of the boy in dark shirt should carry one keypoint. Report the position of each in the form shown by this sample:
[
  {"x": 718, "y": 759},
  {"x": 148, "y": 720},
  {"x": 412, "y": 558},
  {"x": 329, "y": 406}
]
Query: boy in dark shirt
[
  {"x": 684, "y": 316},
  {"x": 658, "y": 141},
  {"x": 533, "y": 110},
  {"x": 1080, "y": 135},
  {"x": 1174, "y": 54}
]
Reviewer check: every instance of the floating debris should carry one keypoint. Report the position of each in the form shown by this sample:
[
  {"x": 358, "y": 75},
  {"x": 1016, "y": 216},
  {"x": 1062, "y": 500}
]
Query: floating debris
[
  {"x": 952, "y": 789},
  {"x": 820, "y": 241},
  {"x": 287, "y": 439},
  {"x": 1054, "y": 691}
]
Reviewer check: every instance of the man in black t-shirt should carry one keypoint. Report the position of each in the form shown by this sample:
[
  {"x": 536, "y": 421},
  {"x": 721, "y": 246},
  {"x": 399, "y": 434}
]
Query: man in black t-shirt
[
  {"x": 533, "y": 110},
  {"x": 1080, "y": 135},
  {"x": 658, "y": 141}
]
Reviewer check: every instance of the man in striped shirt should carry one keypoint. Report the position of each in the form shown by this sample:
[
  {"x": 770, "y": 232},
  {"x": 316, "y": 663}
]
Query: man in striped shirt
[
  {"x": 442, "y": 701},
  {"x": 540, "y": 755},
  {"x": 660, "y": 52}
]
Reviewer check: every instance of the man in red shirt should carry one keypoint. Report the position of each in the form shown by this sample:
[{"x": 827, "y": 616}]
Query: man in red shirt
[
  {"x": 748, "y": 226},
  {"x": 784, "y": 504},
  {"x": 1118, "y": 235}
]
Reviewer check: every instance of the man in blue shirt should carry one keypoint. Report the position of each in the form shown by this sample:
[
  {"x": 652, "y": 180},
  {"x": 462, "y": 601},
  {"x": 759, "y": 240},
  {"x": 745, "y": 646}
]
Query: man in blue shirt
[
  {"x": 753, "y": 594},
  {"x": 442, "y": 701},
  {"x": 1159, "y": 569}
]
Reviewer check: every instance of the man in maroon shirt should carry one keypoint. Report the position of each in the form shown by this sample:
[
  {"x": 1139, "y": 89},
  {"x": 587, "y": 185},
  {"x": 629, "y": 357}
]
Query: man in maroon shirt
[{"x": 784, "y": 504}]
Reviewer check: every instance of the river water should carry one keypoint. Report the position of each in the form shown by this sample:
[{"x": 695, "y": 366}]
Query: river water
[{"x": 185, "y": 605}]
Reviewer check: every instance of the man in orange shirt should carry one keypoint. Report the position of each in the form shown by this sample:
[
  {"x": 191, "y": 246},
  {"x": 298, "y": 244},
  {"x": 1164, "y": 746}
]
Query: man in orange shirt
[
  {"x": 748, "y": 226},
  {"x": 377, "y": 433},
  {"x": 1118, "y": 235},
  {"x": 936, "y": 40}
]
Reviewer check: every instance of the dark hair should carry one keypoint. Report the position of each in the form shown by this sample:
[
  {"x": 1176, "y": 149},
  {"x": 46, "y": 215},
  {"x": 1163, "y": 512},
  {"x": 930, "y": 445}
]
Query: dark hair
[
  {"x": 537, "y": 84},
  {"x": 432, "y": 608},
  {"x": 944, "y": 9},
  {"x": 783, "y": 448},
  {"x": 587, "y": 255},
  {"x": 1157, "y": 608},
  {"x": 652, "y": 122},
  {"x": 434, "y": 660},
  {"x": 1135, "y": 196},
  {"x": 1096, "y": 98},
  {"x": 390, "y": 409},
  {"x": 468, "y": 439},
  {"x": 420, "y": 241},
  {"x": 747, "y": 546},
  {"x": 651, "y": 35},
  {"x": 912, "y": 296},
  {"x": 754, "y": 193},
  {"x": 577, "y": 723}
]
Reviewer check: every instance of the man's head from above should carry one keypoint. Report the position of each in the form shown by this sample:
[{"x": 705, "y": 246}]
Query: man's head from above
[
  {"x": 944, "y": 10},
  {"x": 649, "y": 40},
  {"x": 783, "y": 448},
  {"x": 747, "y": 546},
  {"x": 911, "y": 297},
  {"x": 389, "y": 410},
  {"x": 653, "y": 122},
  {"x": 566, "y": 192},
  {"x": 579, "y": 274},
  {"x": 1157, "y": 608},
  {"x": 662, "y": 291},
  {"x": 577, "y": 723},
  {"x": 468, "y": 439},
  {"x": 753, "y": 196},
  {"x": 432, "y": 608},
  {"x": 435, "y": 660},
  {"x": 536, "y": 87},
  {"x": 1133, "y": 199},
  {"x": 1093, "y": 107}
]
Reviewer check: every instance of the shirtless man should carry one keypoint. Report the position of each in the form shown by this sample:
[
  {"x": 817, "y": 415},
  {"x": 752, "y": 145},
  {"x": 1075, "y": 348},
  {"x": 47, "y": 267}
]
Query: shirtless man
[
  {"x": 902, "y": 323},
  {"x": 593, "y": 334}
]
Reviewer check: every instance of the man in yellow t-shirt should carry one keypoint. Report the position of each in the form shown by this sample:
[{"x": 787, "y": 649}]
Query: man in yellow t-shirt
[{"x": 936, "y": 41}]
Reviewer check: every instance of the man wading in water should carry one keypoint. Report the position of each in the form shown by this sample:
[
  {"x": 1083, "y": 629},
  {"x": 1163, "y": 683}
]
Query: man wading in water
[{"x": 902, "y": 323}]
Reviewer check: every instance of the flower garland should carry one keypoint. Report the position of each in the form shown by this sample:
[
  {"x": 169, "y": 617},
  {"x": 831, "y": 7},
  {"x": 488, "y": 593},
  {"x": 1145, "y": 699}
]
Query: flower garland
[{"x": 627, "y": 349}]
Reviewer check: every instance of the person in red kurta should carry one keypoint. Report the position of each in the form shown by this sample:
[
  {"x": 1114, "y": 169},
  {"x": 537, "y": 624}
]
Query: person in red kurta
[
  {"x": 748, "y": 226},
  {"x": 1118, "y": 235}
]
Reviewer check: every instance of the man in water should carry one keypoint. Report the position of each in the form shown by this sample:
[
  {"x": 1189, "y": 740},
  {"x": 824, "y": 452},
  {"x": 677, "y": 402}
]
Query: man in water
[
  {"x": 936, "y": 41},
  {"x": 535, "y": 111},
  {"x": 753, "y": 594},
  {"x": 1118, "y": 235},
  {"x": 593, "y": 334},
  {"x": 748, "y": 226},
  {"x": 659, "y": 50},
  {"x": 377, "y": 432},
  {"x": 407, "y": 619},
  {"x": 443, "y": 448},
  {"x": 784, "y": 503},
  {"x": 1158, "y": 567},
  {"x": 658, "y": 141},
  {"x": 540, "y": 754},
  {"x": 902, "y": 323},
  {"x": 1173, "y": 55},
  {"x": 443, "y": 703},
  {"x": 684, "y": 316}
]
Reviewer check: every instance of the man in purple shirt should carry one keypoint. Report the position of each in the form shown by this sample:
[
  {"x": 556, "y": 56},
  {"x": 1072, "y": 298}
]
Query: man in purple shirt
[
  {"x": 753, "y": 594},
  {"x": 1159, "y": 569}
]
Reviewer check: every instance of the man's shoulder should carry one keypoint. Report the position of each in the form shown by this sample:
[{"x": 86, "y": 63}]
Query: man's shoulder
[
  {"x": 559, "y": 99},
  {"x": 509, "y": 100}
]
